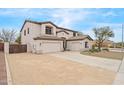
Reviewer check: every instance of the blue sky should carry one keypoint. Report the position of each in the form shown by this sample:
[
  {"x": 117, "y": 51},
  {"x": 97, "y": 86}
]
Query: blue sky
[{"x": 79, "y": 19}]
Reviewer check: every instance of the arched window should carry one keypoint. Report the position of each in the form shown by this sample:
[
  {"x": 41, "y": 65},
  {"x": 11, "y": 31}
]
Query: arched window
[{"x": 86, "y": 45}]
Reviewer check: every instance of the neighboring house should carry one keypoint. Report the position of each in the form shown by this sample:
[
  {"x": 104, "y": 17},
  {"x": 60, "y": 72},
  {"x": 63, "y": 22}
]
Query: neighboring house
[
  {"x": 107, "y": 43},
  {"x": 44, "y": 37}
]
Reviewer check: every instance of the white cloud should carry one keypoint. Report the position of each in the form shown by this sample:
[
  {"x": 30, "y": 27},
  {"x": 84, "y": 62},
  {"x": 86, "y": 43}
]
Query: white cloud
[
  {"x": 25, "y": 12},
  {"x": 66, "y": 17},
  {"x": 109, "y": 13}
]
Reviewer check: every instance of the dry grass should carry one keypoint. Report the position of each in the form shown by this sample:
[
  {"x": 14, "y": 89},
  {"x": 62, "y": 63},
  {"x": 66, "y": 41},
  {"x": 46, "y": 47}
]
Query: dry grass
[
  {"x": 105, "y": 54},
  {"x": 46, "y": 69}
]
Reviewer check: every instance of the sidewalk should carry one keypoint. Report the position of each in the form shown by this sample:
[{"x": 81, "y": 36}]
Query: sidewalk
[
  {"x": 3, "y": 74},
  {"x": 119, "y": 80}
]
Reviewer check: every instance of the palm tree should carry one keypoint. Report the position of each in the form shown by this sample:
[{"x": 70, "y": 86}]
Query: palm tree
[{"x": 102, "y": 34}]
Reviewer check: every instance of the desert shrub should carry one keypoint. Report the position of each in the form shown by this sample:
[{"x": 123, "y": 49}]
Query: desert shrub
[
  {"x": 118, "y": 46},
  {"x": 105, "y": 49},
  {"x": 93, "y": 46},
  {"x": 93, "y": 50},
  {"x": 111, "y": 47}
]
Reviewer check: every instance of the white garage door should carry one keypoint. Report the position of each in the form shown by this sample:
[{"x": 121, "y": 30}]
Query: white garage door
[
  {"x": 75, "y": 46},
  {"x": 51, "y": 47}
]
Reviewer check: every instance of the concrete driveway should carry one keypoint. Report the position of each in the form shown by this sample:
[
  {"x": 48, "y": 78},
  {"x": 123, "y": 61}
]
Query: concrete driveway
[{"x": 104, "y": 63}]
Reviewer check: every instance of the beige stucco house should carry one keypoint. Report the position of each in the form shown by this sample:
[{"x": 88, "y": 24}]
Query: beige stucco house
[{"x": 45, "y": 37}]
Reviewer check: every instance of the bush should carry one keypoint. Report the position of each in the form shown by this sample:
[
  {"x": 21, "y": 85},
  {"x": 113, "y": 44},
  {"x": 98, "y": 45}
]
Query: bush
[
  {"x": 94, "y": 50},
  {"x": 105, "y": 49},
  {"x": 111, "y": 47}
]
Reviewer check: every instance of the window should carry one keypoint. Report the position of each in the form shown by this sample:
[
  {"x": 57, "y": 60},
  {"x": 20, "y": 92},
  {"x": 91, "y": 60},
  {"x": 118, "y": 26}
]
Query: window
[
  {"x": 24, "y": 32},
  {"x": 74, "y": 34},
  {"x": 28, "y": 30},
  {"x": 86, "y": 45},
  {"x": 48, "y": 30}
]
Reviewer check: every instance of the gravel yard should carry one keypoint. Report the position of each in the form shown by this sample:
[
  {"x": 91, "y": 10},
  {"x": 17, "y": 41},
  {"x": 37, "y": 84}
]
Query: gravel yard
[
  {"x": 27, "y": 68},
  {"x": 104, "y": 54}
]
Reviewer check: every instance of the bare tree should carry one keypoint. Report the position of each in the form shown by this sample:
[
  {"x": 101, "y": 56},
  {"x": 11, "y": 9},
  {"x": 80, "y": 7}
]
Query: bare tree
[
  {"x": 7, "y": 35},
  {"x": 18, "y": 39}
]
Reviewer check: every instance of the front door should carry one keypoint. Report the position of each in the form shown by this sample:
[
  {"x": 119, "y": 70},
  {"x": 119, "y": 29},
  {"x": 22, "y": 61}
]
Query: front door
[{"x": 64, "y": 43}]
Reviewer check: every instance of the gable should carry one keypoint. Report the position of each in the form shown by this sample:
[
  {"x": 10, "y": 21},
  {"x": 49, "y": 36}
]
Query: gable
[{"x": 62, "y": 31}]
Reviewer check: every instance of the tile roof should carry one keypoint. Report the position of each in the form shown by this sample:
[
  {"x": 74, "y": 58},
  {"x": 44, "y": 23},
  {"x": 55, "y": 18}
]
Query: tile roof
[
  {"x": 45, "y": 23},
  {"x": 80, "y": 38},
  {"x": 48, "y": 38}
]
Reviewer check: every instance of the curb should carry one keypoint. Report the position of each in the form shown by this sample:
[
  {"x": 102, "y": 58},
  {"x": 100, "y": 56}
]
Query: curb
[
  {"x": 119, "y": 80},
  {"x": 9, "y": 78}
]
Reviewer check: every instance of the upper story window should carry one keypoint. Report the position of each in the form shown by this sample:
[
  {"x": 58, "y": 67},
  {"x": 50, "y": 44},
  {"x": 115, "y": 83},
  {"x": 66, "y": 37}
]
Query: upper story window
[
  {"x": 24, "y": 32},
  {"x": 74, "y": 34},
  {"x": 48, "y": 30},
  {"x": 28, "y": 30}
]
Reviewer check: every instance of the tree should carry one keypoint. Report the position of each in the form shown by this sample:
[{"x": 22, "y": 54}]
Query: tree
[
  {"x": 80, "y": 34},
  {"x": 18, "y": 39},
  {"x": 7, "y": 35},
  {"x": 102, "y": 34}
]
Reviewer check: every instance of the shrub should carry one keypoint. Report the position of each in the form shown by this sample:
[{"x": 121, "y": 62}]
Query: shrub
[
  {"x": 94, "y": 50},
  {"x": 105, "y": 49},
  {"x": 111, "y": 47}
]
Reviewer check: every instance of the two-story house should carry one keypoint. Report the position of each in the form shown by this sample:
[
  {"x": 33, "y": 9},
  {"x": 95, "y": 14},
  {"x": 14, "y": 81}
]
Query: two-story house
[{"x": 44, "y": 37}]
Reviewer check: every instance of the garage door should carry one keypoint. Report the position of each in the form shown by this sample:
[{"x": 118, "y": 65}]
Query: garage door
[
  {"x": 75, "y": 46},
  {"x": 51, "y": 47}
]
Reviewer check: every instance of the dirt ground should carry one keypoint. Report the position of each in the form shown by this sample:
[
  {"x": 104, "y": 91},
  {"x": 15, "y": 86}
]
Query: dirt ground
[
  {"x": 104, "y": 54},
  {"x": 27, "y": 68}
]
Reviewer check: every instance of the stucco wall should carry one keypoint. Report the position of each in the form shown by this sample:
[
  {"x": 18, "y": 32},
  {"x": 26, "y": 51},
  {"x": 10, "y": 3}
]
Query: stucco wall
[
  {"x": 34, "y": 31},
  {"x": 65, "y": 35}
]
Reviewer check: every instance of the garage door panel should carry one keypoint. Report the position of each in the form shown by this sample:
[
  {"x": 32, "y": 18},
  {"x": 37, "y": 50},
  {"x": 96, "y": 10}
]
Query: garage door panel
[
  {"x": 76, "y": 46},
  {"x": 51, "y": 47}
]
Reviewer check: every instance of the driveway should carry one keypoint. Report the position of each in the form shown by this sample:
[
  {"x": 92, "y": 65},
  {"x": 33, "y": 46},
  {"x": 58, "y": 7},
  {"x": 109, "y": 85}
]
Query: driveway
[
  {"x": 27, "y": 68},
  {"x": 104, "y": 63},
  {"x": 3, "y": 74}
]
